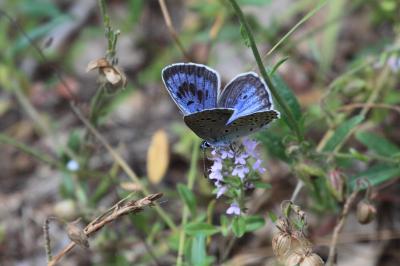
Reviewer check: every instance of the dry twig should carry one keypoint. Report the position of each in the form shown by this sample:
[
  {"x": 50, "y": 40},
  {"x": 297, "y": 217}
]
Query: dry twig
[
  {"x": 171, "y": 29},
  {"x": 121, "y": 208},
  {"x": 339, "y": 226}
]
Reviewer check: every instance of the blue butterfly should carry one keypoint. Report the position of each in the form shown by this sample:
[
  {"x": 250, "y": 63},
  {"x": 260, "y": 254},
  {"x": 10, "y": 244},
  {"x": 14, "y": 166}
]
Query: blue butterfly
[{"x": 243, "y": 107}]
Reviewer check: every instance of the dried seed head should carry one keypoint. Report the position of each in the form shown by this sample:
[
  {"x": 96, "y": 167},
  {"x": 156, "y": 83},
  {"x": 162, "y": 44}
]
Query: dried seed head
[
  {"x": 294, "y": 259},
  {"x": 77, "y": 235},
  {"x": 98, "y": 63},
  {"x": 112, "y": 73},
  {"x": 281, "y": 244},
  {"x": 303, "y": 257},
  {"x": 312, "y": 260},
  {"x": 366, "y": 212},
  {"x": 283, "y": 225}
]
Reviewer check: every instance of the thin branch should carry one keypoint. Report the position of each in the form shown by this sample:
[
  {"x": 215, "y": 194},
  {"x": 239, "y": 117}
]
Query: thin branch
[
  {"x": 339, "y": 226},
  {"x": 352, "y": 106},
  {"x": 171, "y": 29},
  {"x": 118, "y": 210},
  {"x": 46, "y": 234}
]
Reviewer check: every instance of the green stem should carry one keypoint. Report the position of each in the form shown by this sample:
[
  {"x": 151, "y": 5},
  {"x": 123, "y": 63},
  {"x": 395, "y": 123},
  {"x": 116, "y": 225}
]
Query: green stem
[
  {"x": 185, "y": 212},
  {"x": 264, "y": 73},
  {"x": 29, "y": 150}
]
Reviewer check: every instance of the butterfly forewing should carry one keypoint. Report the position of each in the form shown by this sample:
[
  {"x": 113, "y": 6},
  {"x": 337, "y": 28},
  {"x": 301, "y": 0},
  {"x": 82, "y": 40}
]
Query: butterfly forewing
[
  {"x": 247, "y": 94},
  {"x": 193, "y": 87}
]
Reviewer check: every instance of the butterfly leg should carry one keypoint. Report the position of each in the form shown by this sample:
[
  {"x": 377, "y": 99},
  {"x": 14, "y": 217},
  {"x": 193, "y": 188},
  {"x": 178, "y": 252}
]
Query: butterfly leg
[{"x": 204, "y": 145}]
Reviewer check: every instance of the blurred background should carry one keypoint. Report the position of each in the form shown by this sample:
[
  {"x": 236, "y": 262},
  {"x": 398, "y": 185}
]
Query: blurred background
[{"x": 341, "y": 57}]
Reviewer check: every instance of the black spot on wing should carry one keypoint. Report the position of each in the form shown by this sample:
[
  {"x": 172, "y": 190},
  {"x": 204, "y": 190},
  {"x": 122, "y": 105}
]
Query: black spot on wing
[{"x": 200, "y": 95}]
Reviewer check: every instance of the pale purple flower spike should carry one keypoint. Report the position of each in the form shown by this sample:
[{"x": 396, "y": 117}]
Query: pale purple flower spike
[
  {"x": 234, "y": 209},
  {"x": 394, "y": 63},
  {"x": 240, "y": 171},
  {"x": 221, "y": 190},
  {"x": 229, "y": 163}
]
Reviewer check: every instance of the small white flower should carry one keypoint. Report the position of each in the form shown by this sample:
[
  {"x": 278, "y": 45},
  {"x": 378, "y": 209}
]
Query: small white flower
[{"x": 73, "y": 166}]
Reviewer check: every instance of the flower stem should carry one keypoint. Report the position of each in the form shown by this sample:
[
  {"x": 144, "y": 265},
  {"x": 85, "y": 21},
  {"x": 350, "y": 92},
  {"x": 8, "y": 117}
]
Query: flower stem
[
  {"x": 264, "y": 73},
  {"x": 185, "y": 212}
]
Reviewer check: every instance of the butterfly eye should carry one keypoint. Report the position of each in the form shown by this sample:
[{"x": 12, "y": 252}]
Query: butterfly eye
[{"x": 204, "y": 145}]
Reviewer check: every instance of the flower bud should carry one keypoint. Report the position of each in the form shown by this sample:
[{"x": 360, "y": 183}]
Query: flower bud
[
  {"x": 366, "y": 212},
  {"x": 281, "y": 243},
  {"x": 66, "y": 209},
  {"x": 337, "y": 184}
]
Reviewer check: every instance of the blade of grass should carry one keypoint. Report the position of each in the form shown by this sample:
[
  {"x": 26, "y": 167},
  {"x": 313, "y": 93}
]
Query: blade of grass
[
  {"x": 295, "y": 27},
  {"x": 186, "y": 211}
]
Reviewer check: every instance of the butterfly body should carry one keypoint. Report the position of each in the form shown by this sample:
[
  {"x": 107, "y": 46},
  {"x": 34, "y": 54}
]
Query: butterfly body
[{"x": 243, "y": 107}]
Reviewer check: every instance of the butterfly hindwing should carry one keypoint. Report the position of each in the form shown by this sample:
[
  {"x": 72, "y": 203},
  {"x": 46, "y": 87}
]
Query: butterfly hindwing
[
  {"x": 209, "y": 124},
  {"x": 246, "y": 94},
  {"x": 193, "y": 87},
  {"x": 246, "y": 125}
]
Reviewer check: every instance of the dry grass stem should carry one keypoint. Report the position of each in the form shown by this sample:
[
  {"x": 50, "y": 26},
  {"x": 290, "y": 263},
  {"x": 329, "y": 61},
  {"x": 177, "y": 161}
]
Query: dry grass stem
[
  {"x": 171, "y": 29},
  {"x": 120, "y": 209}
]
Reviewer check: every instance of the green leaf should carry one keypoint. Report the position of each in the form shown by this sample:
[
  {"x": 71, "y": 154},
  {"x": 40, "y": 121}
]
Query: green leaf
[
  {"x": 377, "y": 143},
  {"x": 38, "y": 32},
  {"x": 201, "y": 228},
  {"x": 254, "y": 2},
  {"x": 377, "y": 174},
  {"x": 341, "y": 132},
  {"x": 74, "y": 140},
  {"x": 358, "y": 155},
  {"x": 272, "y": 216},
  {"x": 287, "y": 95},
  {"x": 198, "y": 256},
  {"x": 239, "y": 226},
  {"x": 39, "y": 9},
  {"x": 254, "y": 222},
  {"x": 187, "y": 197},
  {"x": 261, "y": 185},
  {"x": 274, "y": 145}
]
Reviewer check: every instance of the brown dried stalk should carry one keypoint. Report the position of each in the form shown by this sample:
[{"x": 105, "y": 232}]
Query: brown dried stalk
[
  {"x": 121, "y": 208},
  {"x": 171, "y": 29},
  {"x": 339, "y": 226}
]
